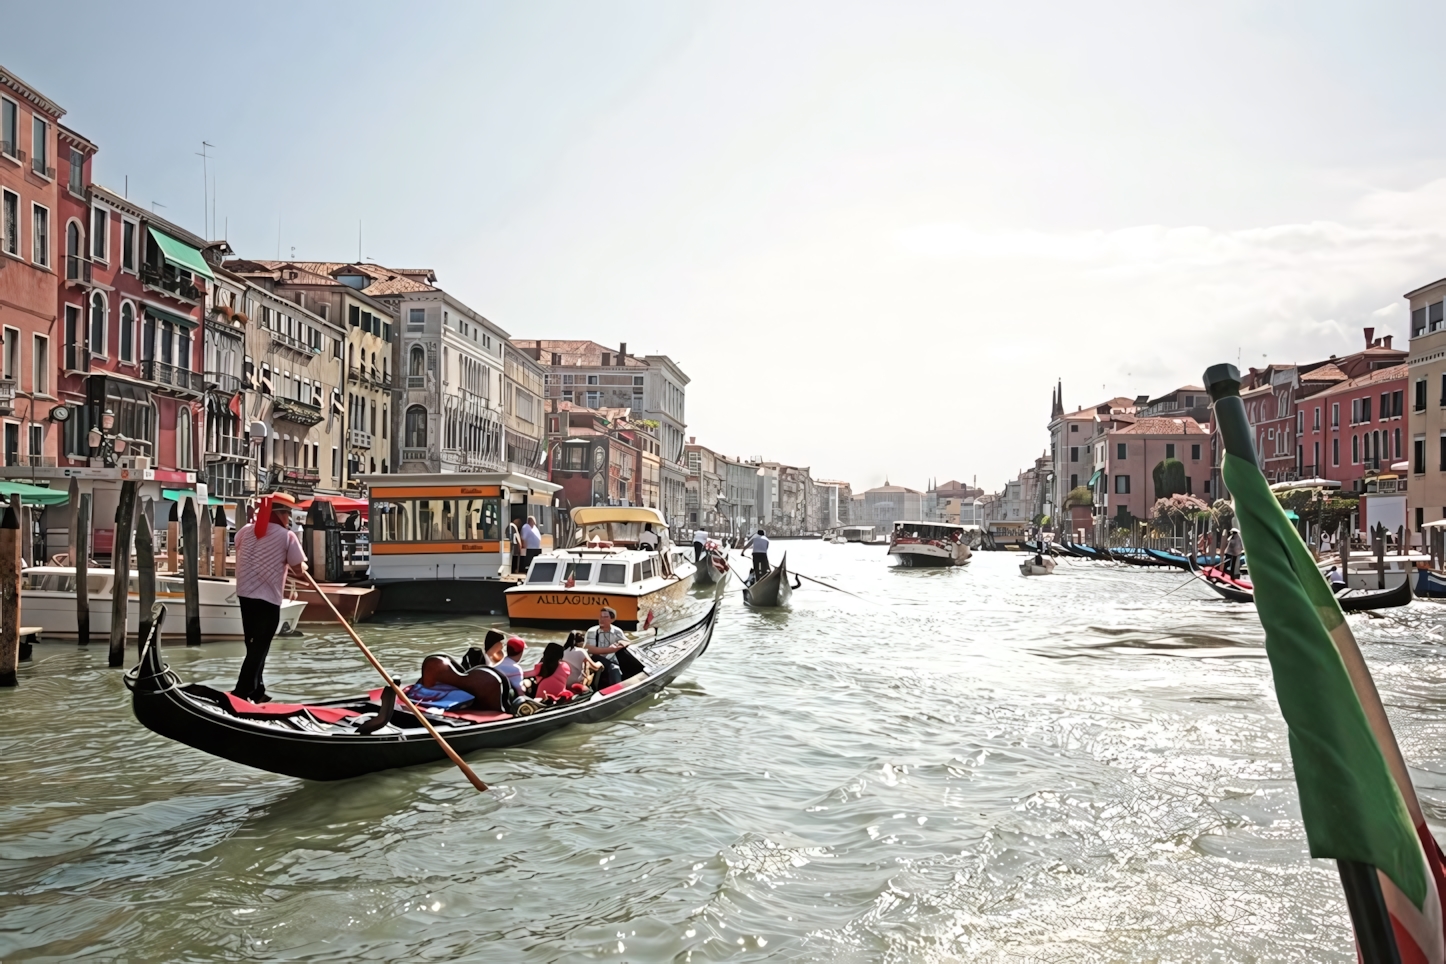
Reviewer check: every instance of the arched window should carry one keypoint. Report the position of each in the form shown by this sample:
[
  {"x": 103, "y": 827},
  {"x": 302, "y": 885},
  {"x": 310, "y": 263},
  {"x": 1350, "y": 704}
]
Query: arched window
[
  {"x": 418, "y": 362},
  {"x": 73, "y": 251},
  {"x": 127, "y": 332},
  {"x": 416, "y": 430},
  {"x": 97, "y": 324},
  {"x": 184, "y": 445}
]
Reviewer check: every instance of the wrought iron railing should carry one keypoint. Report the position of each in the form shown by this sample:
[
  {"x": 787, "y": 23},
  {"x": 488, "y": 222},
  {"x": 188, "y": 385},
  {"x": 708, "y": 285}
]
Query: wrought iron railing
[
  {"x": 224, "y": 382},
  {"x": 77, "y": 268},
  {"x": 178, "y": 378}
]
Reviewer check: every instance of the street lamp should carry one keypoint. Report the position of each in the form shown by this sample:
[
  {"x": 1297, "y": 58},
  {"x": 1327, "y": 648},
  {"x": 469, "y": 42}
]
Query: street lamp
[{"x": 111, "y": 444}]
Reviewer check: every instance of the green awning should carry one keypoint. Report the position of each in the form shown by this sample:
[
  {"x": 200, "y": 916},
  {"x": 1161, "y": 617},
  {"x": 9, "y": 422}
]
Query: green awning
[
  {"x": 160, "y": 314},
  {"x": 34, "y": 494},
  {"x": 1096, "y": 477},
  {"x": 178, "y": 495},
  {"x": 181, "y": 254}
]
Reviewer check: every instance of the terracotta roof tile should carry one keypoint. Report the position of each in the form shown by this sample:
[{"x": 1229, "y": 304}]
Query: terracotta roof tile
[{"x": 1165, "y": 426}]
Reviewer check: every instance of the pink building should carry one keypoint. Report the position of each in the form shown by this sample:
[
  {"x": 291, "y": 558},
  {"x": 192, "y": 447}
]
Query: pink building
[
  {"x": 1356, "y": 426},
  {"x": 1127, "y": 452}
]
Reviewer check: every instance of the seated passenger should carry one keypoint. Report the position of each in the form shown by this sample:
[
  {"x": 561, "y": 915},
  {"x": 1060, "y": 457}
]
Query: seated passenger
[
  {"x": 575, "y": 655},
  {"x": 551, "y": 673},
  {"x": 483, "y": 655},
  {"x": 507, "y": 663}
]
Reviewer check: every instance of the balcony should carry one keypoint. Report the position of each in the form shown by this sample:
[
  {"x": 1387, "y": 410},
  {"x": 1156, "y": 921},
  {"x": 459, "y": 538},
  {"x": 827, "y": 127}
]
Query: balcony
[
  {"x": 169, "y": 376},
  {"x": 7, "y": 396},
  {"x": 223, "y": 382},
  {"x": 300, "y": 413},
  {"x": 416, "y": 381},
  {"x": 227, "y": 446},
  {"x": 171, "y": 281},
  {"x": 414, "y": 455},
  {"x": 286, "y": 341},
  {"x": 361, "y": 439},
  {"x": 77, "y": 270}
]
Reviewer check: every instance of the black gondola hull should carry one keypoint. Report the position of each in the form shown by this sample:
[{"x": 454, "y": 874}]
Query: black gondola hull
[
  {"x": 161, "y": 703},
  {"x": 772, "y": 590}
]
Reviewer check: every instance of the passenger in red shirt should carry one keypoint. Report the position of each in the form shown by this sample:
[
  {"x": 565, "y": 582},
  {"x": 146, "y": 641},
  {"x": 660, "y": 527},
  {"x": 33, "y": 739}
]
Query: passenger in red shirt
[{"x": 551, "y": 673}]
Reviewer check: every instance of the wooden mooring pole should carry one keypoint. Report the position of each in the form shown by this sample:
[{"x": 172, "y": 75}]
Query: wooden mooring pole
[
  {"x": 218, "y": 542},
  {"x": 190, "y": 547},
  {"x": 120, "y": 563},
  {"x": 145, "y": 570},
  {"x": 173, "y": 537},
  {"x": 81, "y": 541},
  {"x": 10, "y": 595},
  {"x": 72, "y": 510}
]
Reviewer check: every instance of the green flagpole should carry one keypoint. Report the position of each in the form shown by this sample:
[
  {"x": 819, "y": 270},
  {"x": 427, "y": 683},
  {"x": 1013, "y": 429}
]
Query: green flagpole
[{"x": 1369, "y": 917}]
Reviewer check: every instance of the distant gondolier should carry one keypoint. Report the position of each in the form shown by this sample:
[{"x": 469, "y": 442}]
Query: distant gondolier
[
  {"x": 700, "y": 543},
  {"x": 758, "y": 545},
  {"x": 266, "y": 550},
  {"x": 1234, "y": 548}
]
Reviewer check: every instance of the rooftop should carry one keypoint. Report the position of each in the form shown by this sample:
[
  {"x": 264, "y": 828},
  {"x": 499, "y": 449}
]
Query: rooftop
[{"x": 1165, "y": 426}]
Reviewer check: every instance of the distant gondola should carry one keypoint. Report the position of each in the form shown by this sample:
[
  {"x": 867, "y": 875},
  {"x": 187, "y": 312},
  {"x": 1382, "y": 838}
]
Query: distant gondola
[
  {"x": 1350, "y": 600},
  {"x": 329, "y": 739},
  {"x": 773, "y": 589},
  {"x": 1182, "y": 562},
  {"x": 1430, "y": 584},
  {"x": 712, "y": 568}
]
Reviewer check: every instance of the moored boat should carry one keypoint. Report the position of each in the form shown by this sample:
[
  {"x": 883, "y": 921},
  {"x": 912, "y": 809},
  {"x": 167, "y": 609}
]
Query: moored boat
[
  {"x": 929, "y": 544},
  {"x": 47, "y": 600},
  {"x": 1350, "y": 600},
  {"x": 771, "y": 590},
  {"x": 341, "y": 738},
  {"x": 610, "y": 565}
]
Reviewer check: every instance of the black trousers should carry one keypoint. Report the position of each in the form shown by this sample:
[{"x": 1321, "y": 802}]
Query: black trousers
[
  {"x": 760, "y": 564},
  {"x": 518, "y": 558},
  {"x": 697, "y": 551},
  {"x": 259, "y": 620}
]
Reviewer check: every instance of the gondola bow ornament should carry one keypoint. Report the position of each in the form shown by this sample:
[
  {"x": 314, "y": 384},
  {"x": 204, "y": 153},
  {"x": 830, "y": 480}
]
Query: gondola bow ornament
[{"x": 1356, "y": 797}]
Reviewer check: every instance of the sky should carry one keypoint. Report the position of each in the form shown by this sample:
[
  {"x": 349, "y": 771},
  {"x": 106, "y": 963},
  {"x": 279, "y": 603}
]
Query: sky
[{"x": 873, "y": 235}]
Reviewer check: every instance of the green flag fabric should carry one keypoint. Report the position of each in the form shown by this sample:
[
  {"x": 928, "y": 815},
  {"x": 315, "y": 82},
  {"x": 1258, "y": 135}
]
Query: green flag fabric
[{"x": 1350, "y": 799}]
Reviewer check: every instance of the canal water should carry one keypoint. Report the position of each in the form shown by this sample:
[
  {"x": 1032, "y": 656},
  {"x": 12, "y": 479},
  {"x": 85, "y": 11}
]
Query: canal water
[{"x": 965, "y": 765}]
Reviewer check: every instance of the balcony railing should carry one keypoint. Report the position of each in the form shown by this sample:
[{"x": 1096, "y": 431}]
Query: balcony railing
[
  {"x": 361, "y": 439},
  {"x": 180, "y": 379},
  {"x": 227, "y": 445},
  {"x": 416, "y": 381},
  {"x": 77, "y": 269},
  {"x": 292, "y": 410},
  {"x": 223, "y": 382},
  {"x": 286, "y": 341},
  {"x": 7, "y": 395},
  {"x": 77, "y": 358},
  {"x": 169, "y": 280},
  {"x": 414, "y": 455}
]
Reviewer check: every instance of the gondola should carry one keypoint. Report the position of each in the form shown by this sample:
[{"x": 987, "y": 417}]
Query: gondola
[
  {"x": 1181, "y": 562},
  {"x": 1430, "y": 584},
  {"x": 1350, "y": 600},
  {"x": 712, "y": 569},
  {"x": 773, "y": 589},
  {"x": 329, "y": 739}
]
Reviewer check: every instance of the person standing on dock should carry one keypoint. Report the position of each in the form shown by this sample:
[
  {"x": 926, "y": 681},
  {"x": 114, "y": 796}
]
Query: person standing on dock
[
  {"x": 531, "y": 541},
  {"x": 266, "y": 549},
  {"x": 758, "y": 545}
]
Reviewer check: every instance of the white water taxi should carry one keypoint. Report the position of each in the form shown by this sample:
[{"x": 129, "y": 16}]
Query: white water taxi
[
  {"x": 47, "y": 600},
  {"x": 608, "y": 565},
  {"x": 929, "y": 544}
]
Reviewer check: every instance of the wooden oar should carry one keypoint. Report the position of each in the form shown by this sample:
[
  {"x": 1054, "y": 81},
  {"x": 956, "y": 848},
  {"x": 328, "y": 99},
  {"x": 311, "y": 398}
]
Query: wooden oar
[
  {"x": 475, "y": 780},
  {"x": 837, "y": 589}
]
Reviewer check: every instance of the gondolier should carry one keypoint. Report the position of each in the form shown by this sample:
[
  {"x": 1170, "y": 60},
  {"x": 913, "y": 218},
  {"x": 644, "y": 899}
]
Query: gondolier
[
  {"x": 758, "y": 545},
  {"x": 266, "y": 549},
  {"x": 700, "y": 543},
  {"x": 1233, "y": 550}
]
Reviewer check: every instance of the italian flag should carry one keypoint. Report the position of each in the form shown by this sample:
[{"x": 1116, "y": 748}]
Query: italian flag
[{"x": 1356, "y": 795}]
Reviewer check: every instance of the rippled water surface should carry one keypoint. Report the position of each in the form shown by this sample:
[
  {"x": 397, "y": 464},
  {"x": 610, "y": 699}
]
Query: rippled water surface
[{"x": 969, "y": 765}]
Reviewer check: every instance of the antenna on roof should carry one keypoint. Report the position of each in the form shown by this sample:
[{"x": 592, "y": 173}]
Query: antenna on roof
[{"x": 205, "y": 185}]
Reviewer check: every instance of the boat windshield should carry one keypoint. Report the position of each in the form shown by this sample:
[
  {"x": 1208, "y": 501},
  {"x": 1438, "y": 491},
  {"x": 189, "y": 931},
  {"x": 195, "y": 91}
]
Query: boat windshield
[
  {"x": 61, "y": 582},
  {"x": 626, "y": 532},
  {"x": 578, "y": 572},
  {"x": 543, "y": 572},
  {"x": 612, "y": 573}
]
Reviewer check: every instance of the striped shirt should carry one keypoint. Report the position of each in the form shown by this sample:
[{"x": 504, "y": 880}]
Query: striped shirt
[{"x": 261, "y": 563}]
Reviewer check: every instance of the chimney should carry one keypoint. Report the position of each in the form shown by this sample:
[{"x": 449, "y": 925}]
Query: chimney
[
  {"x": 1387, "y": 340},
  {"x": 692, "y": 440},
  {"x": 1369, "y": 333},
  {"x": 622, "y": 352}
]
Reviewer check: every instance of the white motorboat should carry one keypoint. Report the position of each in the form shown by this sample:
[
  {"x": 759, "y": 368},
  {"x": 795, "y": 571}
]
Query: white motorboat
[
  {"x": 47, "y": 600},
  {"x": 929, "y": 544},
  {"x": 1363, "y": 573}
]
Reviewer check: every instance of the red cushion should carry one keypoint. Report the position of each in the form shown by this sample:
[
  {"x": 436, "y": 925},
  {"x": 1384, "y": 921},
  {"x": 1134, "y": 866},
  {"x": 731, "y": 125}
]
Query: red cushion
[{"x": 327, "y": 714}]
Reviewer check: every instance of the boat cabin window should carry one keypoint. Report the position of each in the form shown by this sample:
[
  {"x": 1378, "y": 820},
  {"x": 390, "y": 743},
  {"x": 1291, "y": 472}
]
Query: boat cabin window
[
  {"x": 637, "y": 572},
  {"x": 60, "y": 582},
  {"x": 648, "y": 568},
  {"x": 625, "y": 532},
  {"x": 436, "y": 520},
  {"x": 578, "y": 571},
  {"x": 612, "y": 573},
  {"x": 542, "y": 572}
]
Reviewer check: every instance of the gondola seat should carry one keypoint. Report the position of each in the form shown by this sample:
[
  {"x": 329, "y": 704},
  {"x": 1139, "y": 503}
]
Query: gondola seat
[{"x": 488, "y": 687}]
